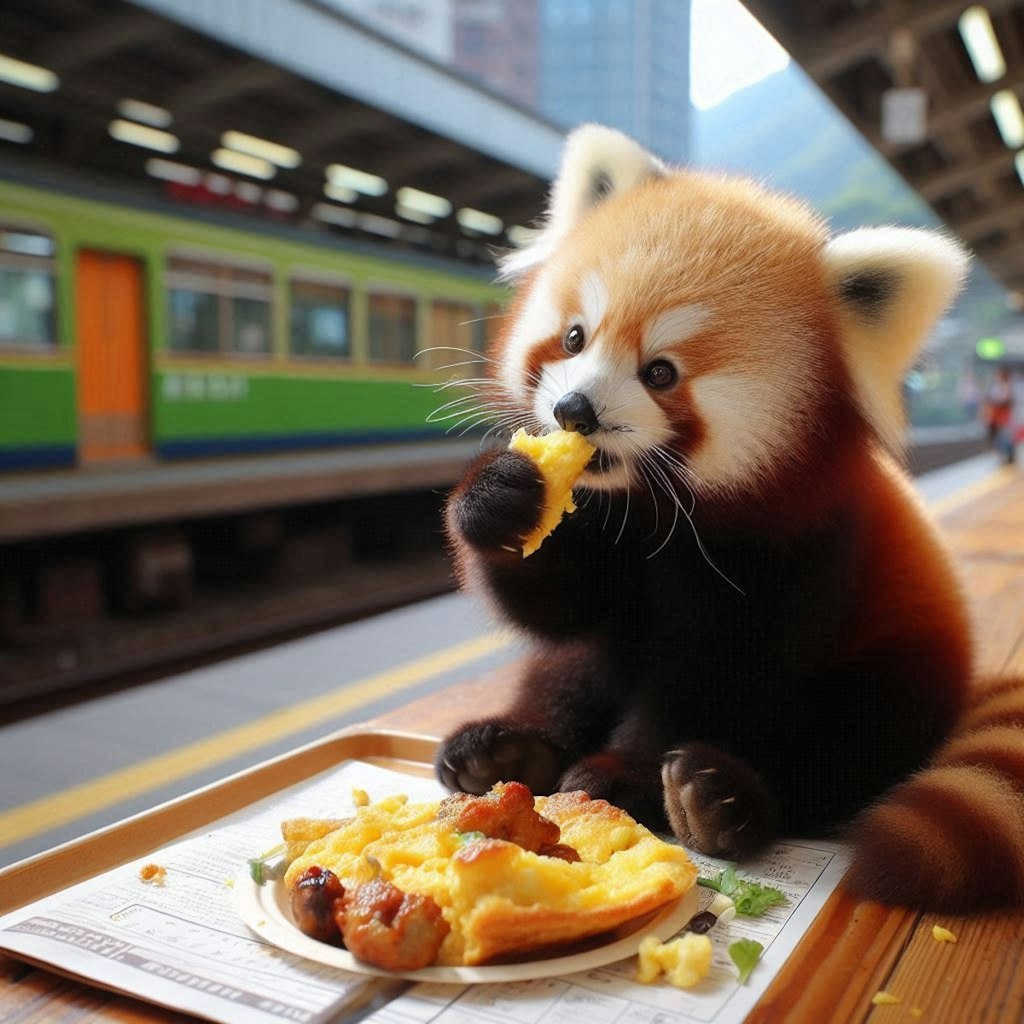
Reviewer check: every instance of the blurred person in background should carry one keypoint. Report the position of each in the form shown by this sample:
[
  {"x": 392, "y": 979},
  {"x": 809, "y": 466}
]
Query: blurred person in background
[{"x": 999, "y": 417}]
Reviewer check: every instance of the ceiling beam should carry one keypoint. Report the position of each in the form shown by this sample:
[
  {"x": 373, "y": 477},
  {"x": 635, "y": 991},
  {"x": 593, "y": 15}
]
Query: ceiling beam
[
  {"x": 964, "y": 174},
  {"x": 327, "y": 128},
  {"x": 1005, "y": 215},
  {"x": 227, "y": 82},
  {"x": 69, "y": 51}
]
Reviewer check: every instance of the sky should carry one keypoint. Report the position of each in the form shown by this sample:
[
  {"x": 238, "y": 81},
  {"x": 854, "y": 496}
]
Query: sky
[{"x": 728, "y": 51}]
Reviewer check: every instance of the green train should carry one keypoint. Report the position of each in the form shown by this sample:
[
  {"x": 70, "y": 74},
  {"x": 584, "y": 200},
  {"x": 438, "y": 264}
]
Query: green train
[{"x": 132, "y": 331}]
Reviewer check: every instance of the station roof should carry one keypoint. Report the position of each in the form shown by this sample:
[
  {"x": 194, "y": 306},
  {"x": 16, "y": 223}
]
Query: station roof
[
  {"x": 337, "y": 95},
  {"x": 856, "y": 50}
]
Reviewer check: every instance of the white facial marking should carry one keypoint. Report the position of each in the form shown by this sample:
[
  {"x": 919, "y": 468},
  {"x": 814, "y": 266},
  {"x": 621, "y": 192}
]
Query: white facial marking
[
  {"x": 673, "y": 326},
  {"x": 594, "y": 300},
  {"x": 540, "y": 319}
]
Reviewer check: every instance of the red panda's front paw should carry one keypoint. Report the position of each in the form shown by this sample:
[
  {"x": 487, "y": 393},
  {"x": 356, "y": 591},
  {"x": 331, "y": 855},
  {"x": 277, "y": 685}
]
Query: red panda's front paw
[
  {"x": 480, "y": 754},
  {"x": 500, "y": 501},
  {"x": 715, "y": 803}
]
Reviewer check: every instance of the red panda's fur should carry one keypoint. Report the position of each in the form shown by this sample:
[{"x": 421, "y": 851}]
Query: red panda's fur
[{"x": 790, "y": 351}]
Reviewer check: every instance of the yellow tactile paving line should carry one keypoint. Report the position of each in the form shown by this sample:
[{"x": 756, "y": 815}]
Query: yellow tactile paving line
[
  {"x": 38, "y": 816},
  {"x": 31, "y": 819}
]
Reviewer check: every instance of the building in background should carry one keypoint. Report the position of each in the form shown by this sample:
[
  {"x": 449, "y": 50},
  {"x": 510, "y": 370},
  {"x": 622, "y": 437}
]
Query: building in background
[
  {"x": 422, "y": 25},
  {"x": 498, "y": 42}
]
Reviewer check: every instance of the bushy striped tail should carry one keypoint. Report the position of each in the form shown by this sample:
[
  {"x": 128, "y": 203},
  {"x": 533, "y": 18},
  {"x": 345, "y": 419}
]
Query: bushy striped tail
[{"x": 951, "y": 838}]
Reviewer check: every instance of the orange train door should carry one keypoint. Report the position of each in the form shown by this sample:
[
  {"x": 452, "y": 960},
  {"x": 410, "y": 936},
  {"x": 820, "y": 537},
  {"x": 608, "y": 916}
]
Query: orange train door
[{"x": 111, "y": 358}]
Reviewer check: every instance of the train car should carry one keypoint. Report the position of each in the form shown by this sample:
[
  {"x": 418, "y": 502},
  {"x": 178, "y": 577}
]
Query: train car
[{"x": 130, "y": 331}]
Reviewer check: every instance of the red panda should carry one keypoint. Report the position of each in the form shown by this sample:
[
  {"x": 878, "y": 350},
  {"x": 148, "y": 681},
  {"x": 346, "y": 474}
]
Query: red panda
[{"x": 750, "y": 627}]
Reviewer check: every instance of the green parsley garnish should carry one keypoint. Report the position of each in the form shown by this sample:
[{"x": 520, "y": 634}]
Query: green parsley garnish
[
  {"x": 461, "y": 838},
  {"x": 744, "y": 954},
  {"x": 750, "y": 898}
]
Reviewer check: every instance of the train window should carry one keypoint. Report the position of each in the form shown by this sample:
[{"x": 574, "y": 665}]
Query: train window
[
  {"x": 490, "y": 326},
  {"x": 454, "y": 327},
  {"x": 392, "y": 328},
  {"x": 215, "y": 308},
  {"x": 320, "y": 320},
  {"x": 28, "y": 303}
]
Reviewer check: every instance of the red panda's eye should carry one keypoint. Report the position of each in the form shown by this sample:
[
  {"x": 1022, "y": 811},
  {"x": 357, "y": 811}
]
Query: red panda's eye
[
  {"x": 573, "y": 340},
  {"x": 660, "y": 374}
]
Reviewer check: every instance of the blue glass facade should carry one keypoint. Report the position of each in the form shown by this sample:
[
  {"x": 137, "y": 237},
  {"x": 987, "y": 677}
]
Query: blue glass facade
[{"x": 624, "y": 63}]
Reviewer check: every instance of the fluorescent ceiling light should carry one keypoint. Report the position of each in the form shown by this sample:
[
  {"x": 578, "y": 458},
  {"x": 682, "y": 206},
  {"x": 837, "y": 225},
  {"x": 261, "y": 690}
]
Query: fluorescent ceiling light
[
  {"x": 379, "y": 225},
  {"x": 140, "y": 135},
  {"x": 283, "y": 201},
  {"x": 361, "y": 181},
  {"x": 217, "y": 184},
  {"x": 28, "y": 76},
  {"x": 283, "y": 156},
  {"x": 477, "y": 220},
  {"x": 518, "y": 235},
  {"x": 982, "y": 46},
  {"x": 1009, "y": 117},
  {"x": 340, "y": 193},
  {"x": 335, "y": 214},
  {"x": 15, "y": 131},
  {"x": 423, "y": 202},
  {"x": 242, "y": 163},
  {"x": 168, "y": 170},
  {"x": 416, "y": 216},
  {"x": 147, "y": 113},
  {"x": 248, "y": 192}
]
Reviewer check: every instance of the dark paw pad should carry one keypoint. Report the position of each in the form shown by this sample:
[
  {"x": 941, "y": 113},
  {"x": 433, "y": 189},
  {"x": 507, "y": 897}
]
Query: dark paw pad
[
  {"x": 715, "y": 803},
  {"x": 500, "y": 502},
  {"x": 478, "y": 756}
]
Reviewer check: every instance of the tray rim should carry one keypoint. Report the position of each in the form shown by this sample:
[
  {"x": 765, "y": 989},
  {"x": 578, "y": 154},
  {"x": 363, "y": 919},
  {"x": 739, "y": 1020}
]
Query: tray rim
[{"x": 121, "y": 842}]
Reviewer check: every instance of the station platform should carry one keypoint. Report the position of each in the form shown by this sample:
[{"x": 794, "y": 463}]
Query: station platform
[{"x": 41, "y": 504}]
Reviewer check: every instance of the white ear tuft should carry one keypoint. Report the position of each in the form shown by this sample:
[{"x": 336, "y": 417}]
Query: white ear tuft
[
  {"x": 892, "y": 285},
  {"x": 596, "y": 163}
]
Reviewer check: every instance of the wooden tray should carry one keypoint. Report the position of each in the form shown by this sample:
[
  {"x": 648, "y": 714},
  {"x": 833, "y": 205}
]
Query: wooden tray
[{"x": 46, "y": 873}]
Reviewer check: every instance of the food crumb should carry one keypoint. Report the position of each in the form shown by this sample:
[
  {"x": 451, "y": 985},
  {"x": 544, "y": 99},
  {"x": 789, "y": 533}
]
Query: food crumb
[
  {"x": 229, "y": 883},
  {"x": 941, "y": 934},
  {"x": 684, "y": 961},
  {"x": 153, "y": 874},
  {"x": 360, "y": 798},
  {"x": 885, "y": 999}
]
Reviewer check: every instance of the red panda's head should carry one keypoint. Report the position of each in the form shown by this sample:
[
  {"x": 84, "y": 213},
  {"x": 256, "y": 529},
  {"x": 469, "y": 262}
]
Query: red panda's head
[{"x": 705, "y": 328}]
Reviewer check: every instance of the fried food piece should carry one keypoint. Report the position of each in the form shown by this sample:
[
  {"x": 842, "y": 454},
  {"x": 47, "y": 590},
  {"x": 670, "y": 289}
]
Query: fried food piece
[
  {"x": 684, "y": 961},
  {"x": 313, "y": 900},
  {"x": 562, "y": 852},
  {"x": 389, "y": 928},
  {"x": 561, "y": 457},
  {"x": 499, "y": 898},
  {"x": 153, "y": 874},
  {"x": 506, "y": 812}
]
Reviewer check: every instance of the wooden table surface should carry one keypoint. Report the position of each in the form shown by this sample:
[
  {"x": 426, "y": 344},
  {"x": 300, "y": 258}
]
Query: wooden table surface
[{"x": 854, "y": 949}]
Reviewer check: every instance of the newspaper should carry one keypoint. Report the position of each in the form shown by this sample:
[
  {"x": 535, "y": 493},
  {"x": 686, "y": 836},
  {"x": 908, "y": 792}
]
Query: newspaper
[{"x": 183, "y": 946}]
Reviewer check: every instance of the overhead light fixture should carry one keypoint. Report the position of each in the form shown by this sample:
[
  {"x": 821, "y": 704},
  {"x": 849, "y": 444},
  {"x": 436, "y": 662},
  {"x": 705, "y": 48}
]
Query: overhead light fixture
[
  {"x": 519, "y": 235},
  {"x": 243, "y": 163},
  {"x": 146, "y": 113},
  {"x": 248, "y": 192},
  {"x": 218, "y": 184},
  {"x": 168, "y": 170},
  {"x": 27, "y": 76},
  {"x": 477, "y": 220},
  {"x": 416, "y": 216},
  {"x": 1009, "y": 117},
  {"x": 340, "y": 193},
  {"x": 147, "y": 138},
  {"x": 285, "y": 202},
  {"x": 335, "y": 215},
  {"x": 283, "y": 156},
  {"x": 15, "y": 131},
  {"x": 378, "y": 225},
  {"x": 423, "y": 202},
  {"x": 361, "y": 181},
  {"x": 1018, "y": 162},
  {"x": 982, "y": 46}
]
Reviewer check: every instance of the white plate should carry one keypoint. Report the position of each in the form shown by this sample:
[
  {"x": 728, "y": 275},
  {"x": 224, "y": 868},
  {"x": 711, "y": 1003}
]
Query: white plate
[{"x": 265, "y": 909}]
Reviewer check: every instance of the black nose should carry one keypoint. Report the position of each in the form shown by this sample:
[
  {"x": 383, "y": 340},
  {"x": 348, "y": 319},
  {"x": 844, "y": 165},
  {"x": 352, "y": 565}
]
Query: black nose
[{"x": 574, "y": 412}]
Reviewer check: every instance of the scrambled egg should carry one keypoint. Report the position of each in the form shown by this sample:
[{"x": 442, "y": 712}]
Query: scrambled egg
[
  {"x": 498, "y": 897},
  {"x": 685, "y": 961},
  {"x": 561, "y": 457}
]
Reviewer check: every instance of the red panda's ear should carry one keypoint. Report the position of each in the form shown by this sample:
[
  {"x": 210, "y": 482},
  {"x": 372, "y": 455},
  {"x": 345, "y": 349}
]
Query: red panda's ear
[
  {"x": 892, "y": 285},
  {"x": 597, "y": 162}
]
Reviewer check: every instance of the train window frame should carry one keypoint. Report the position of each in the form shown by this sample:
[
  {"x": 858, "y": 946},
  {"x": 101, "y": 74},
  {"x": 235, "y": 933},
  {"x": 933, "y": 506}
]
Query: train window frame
[
  {"x": 376, "y": 289},
  {"x": 43, "y": 264},
  {"x": 315, "y": 278},
  {"x": 439, "y": 361},
  {"x": 226, "y": 285}
]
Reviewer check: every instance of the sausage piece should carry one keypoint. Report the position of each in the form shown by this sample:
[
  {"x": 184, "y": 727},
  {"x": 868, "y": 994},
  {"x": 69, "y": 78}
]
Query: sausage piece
[{"x": 313, "y": 898}]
